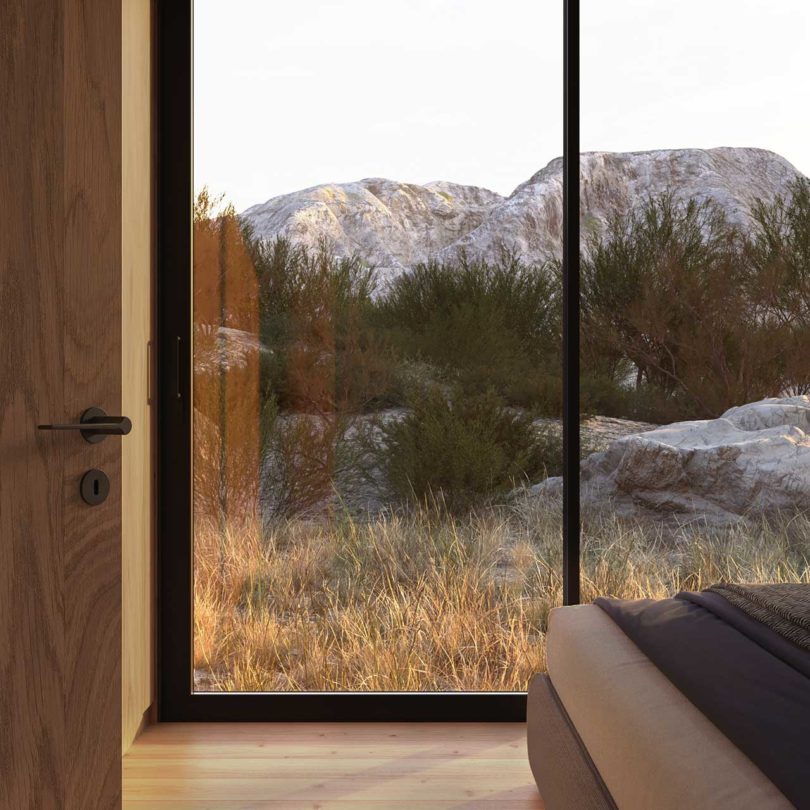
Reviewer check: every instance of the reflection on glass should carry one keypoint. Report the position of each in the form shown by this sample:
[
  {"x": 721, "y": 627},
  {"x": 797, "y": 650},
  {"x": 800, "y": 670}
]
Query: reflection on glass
[
  {"x": 376, "y": 363},
  {"x": 695, "y": 270}
]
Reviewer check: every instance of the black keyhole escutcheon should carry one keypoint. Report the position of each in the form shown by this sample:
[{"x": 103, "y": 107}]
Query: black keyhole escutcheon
[{"x": 95, "y": 487}]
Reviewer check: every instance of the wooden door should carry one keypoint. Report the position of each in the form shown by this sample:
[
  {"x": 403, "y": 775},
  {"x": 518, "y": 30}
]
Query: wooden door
[{"x": 60, "y": 353}]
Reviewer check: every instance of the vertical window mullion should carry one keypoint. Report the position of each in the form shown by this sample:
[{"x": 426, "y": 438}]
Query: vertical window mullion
[{"x": 571, "y": 443}]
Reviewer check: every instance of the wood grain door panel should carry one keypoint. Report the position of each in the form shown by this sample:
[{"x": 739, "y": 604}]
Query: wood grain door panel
[{"x": 60, "y": 352}]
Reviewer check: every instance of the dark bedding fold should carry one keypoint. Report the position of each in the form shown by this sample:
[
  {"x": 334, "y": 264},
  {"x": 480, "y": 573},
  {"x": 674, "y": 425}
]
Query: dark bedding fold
[{"x": 758, "y": 700}]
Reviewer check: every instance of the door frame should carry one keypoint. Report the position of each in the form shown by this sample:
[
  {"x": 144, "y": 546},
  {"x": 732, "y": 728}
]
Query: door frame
[{"x": 177, "y": 700}]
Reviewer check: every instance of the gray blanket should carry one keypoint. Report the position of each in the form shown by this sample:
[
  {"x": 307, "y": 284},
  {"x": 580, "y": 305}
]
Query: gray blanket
[{"x": 785, "y": 609}]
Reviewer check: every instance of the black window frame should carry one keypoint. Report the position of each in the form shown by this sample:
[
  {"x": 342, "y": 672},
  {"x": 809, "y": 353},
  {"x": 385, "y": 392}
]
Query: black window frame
[{"x": 177, "y": 700}]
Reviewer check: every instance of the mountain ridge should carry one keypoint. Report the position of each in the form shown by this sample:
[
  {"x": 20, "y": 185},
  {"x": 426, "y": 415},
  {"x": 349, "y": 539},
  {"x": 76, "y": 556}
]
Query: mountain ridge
[{"x": 393, "y": 225}]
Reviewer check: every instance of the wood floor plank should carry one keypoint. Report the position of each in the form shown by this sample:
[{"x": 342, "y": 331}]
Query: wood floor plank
[
  {"x": 174, "y": 734},
  {"x": 248, "y": 766},
  {"x": 491, "y": 803}
]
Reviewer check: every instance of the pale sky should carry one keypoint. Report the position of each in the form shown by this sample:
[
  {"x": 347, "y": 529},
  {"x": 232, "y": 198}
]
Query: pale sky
[{"x": 294, "y": 94}]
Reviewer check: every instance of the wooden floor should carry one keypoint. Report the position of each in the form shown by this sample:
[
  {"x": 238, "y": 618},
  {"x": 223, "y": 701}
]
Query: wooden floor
[{"x": 247, "y": 766}]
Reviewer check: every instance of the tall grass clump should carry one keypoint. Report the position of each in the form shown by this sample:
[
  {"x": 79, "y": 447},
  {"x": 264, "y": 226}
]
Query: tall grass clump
[{"x": 423, "y": 601}]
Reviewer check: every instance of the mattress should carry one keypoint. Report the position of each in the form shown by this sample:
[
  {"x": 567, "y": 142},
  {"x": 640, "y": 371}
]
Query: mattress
[
  {"x": 742, "y": 681},
  {"x": 651, "y": 746}
]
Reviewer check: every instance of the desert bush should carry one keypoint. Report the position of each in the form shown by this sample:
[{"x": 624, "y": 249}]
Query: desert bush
[
  {"x": 668, "y": 289},
  {"x": 322, "y": 363},
  {"x": 322, "y": 354},
  {"x": 779, "y": 252},
  {"x": 459, "y": 451},
  {"x": 480, "y": 325},
  {"x": 309, "y": 462},
  {"x": 608, "y": 394}
]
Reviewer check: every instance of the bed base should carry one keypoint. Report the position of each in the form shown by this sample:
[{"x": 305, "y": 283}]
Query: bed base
[{"x": 564, "y": 772}]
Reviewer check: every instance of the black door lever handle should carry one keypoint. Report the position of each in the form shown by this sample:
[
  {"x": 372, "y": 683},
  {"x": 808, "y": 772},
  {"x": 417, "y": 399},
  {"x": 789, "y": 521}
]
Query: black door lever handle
[{"x": 95, "y": 425}]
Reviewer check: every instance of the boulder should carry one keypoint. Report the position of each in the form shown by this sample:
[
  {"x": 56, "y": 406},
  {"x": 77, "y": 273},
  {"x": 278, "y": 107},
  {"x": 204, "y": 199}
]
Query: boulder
[
  {"x": 221, "y": 348},
  {"x": 752, "y": 461}
]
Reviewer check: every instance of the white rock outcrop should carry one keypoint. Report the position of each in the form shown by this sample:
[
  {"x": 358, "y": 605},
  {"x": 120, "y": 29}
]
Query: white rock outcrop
[
  {"x": 753, "y": 460},
  {"x": 395, "y": 225},
  {"x": 390, "y": 225}
]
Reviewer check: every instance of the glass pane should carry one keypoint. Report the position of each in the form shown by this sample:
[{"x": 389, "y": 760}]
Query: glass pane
[
  {"x": 376, "y": 361},
  {"x": 695, "y": 307}
]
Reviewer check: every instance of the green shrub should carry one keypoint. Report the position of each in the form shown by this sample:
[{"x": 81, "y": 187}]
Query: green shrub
[
  {"x": 462, "y": 450},
  {"x": 779, "y": 252},
  {"x": 603, "y": 395},
  {"x": 322, "y": 356},
  {"x": 670, "y": 290},
  {"x": 480, "y": 326}
]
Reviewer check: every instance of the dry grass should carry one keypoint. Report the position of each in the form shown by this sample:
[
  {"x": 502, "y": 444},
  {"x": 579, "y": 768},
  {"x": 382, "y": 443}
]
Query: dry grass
[{"x": 423, "y": 602}]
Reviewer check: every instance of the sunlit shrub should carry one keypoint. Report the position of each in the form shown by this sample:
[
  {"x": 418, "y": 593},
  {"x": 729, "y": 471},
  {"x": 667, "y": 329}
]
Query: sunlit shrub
[
  {"x": 480, "y": 325},
  {"x": 671, "y": 290},
  {"x": 463, "y": 450}
]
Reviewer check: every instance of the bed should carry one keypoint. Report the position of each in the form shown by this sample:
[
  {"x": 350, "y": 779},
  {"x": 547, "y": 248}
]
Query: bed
[{"x": 700, "y": 701}]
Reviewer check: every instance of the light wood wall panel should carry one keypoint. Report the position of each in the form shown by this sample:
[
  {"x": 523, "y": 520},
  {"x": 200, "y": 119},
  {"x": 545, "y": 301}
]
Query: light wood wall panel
[{"x": 137, "y": 261}]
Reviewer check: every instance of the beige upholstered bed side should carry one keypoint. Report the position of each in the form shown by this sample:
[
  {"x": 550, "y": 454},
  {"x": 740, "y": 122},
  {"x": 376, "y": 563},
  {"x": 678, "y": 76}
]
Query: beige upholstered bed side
[{"x": 650, "y": 744}]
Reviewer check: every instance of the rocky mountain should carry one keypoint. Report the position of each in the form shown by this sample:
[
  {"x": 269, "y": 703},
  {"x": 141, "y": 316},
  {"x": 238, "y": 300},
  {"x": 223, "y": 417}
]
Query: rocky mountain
[
  {"x": 395, "y": 225},
  {"x": 390, "y": 225}
]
